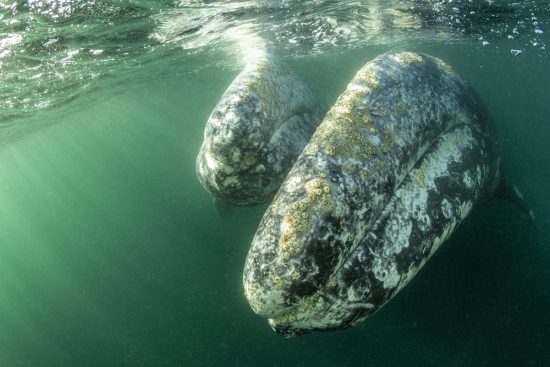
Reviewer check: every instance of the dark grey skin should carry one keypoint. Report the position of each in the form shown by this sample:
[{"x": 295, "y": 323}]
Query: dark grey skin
[
  {"x": 396, "y": 165},
  {"x": 261, "y": 124}
]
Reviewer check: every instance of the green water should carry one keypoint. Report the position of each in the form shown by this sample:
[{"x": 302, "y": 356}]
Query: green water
[{"x": 111, "y": 254}]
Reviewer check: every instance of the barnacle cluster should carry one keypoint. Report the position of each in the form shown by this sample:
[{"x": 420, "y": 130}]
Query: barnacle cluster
[
  {"x": 319, "y": 194},
  {"x": 330, "y": 150},
  {"x": 295, "y": 274},
  {"x": 367, "y": 76},
  {"x": 447, "y": 69},
  {"x": 298, "y": 215},
  {"x": 296, "y": 222},
  {"x": 348, "y": 124},
  {"x": 311, "y": 149},
  {"x": 349, "y": 167},
  {"x": 408, "y": 57},
  {"x": 276, "y": 281},
  {"x": 420, "y": 178},
  {"x": 345, "y": 131}
]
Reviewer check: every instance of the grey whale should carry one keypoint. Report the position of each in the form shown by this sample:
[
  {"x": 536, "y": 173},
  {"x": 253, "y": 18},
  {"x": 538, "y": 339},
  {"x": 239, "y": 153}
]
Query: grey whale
[
  {"x": 395, "y": 166},
  {"x": 261, "y": 124}
]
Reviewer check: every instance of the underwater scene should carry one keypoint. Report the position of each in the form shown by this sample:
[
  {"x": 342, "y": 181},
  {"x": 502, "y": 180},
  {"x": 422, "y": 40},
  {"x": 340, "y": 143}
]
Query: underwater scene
[{"x": 120, "y": 245}]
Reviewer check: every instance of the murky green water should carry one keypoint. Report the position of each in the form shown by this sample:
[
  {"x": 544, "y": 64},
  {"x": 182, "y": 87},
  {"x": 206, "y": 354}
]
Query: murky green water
[{"x": 111, "y": 254}]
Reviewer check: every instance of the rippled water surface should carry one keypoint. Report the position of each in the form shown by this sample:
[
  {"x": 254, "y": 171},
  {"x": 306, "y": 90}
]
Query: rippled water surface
[{"x": 111, "y": 254}]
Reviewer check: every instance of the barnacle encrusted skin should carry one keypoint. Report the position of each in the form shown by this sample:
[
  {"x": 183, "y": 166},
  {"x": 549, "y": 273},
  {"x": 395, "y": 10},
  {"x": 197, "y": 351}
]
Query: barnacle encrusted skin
[
  {"x": 261, "y": 124},
  {"x": 376, "y": 146},
  {"x": 457, "y": 171}
]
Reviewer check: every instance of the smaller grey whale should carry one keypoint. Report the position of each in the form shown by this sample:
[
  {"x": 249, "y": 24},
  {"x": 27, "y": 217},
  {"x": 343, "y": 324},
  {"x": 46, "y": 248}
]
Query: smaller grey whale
[
  {"x": 261, "y": 124},
  {"x": 396, "y": 165}
]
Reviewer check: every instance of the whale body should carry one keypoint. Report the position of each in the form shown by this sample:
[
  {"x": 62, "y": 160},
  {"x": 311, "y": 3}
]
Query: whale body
[
  {"x": 395, "y": 166},
  {"x": 261, "y": 124}
]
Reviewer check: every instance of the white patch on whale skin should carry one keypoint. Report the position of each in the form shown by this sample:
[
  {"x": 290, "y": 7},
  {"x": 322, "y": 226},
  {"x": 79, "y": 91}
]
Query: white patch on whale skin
[
  {"x": 467, "y": 179},
  {"x": 374, "y": 139},
  {"x": 231, "y": 180},
  {"x": 210, "y": 161},
  {"x": 397, "y": 237},
  {"x": 446, "y": 208},
  {"x": 294, "y": 182},
  {"x": 236, "y": 156},
  {"x": 386, "y": 272},
  {"x": 212, "y": 164}
]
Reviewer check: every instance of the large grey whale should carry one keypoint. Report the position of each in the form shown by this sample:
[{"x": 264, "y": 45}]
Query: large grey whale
[{"x": 395, "y": 166}]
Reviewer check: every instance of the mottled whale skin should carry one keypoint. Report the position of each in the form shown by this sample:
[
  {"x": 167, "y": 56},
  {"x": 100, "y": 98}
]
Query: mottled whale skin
[
  {"x": 395, "y": 166},
  {"x": 259, "y": 127}
]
